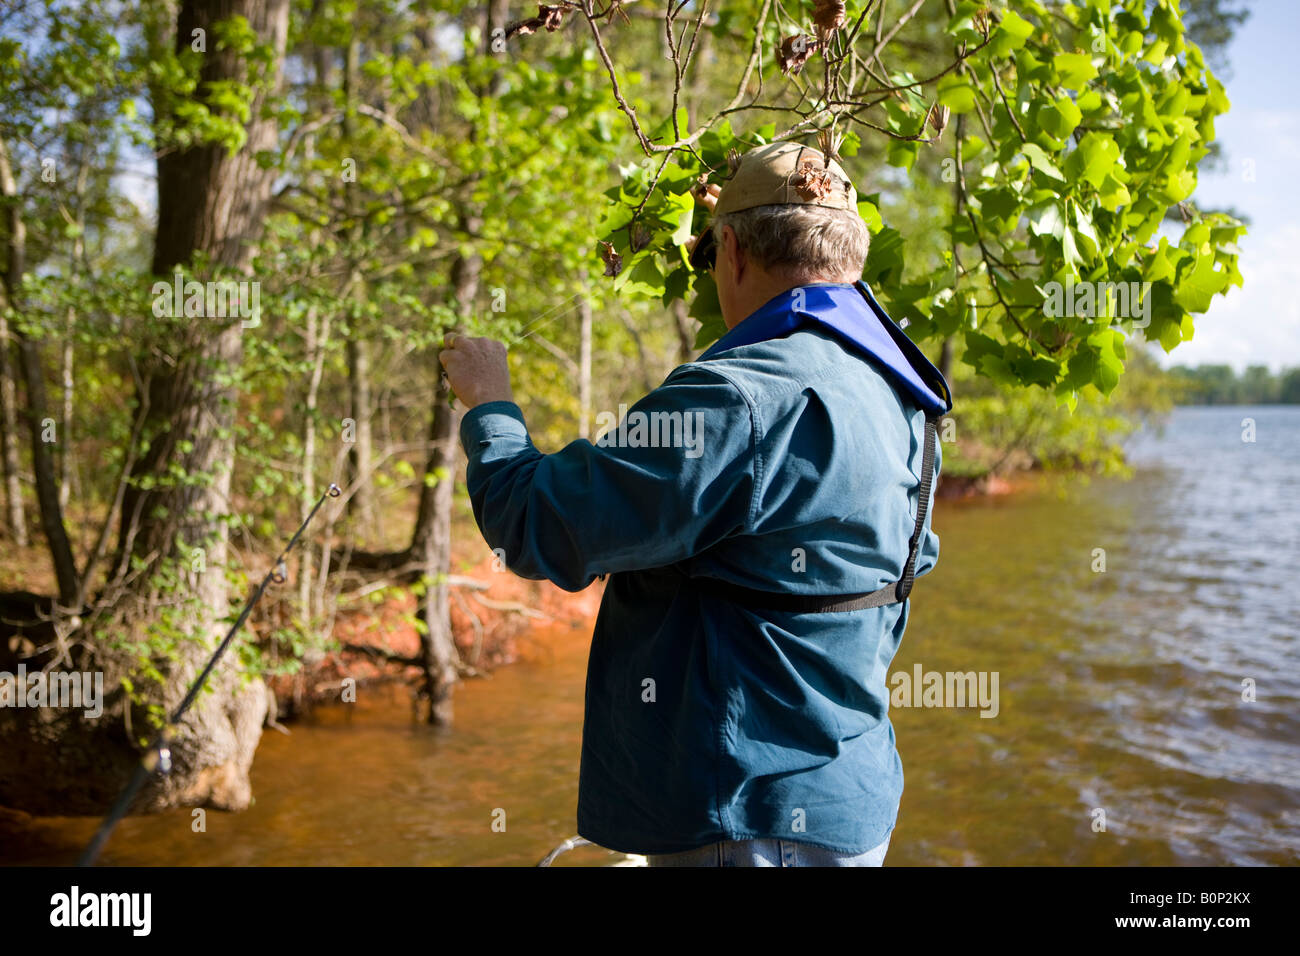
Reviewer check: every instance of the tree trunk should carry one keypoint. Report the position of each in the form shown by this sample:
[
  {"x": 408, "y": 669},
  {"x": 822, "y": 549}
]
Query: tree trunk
[
  {"x": 433, "y": 550},
  {"x": 68, "y": 382},
  {"x": 584, "y": 367},
  {"x": 9, "y": 440},
  {"x": 76, "y": 258},
  {"x": 43, "y": 466},
  {"x": 213, "y": 202},
  {"x": 33, "y": 370},
  {"x": 431, "y": 541},
  {"x": 318, "y": 333},
  {"x": 360, "y": 460},
  {"x": 360, "y": 499}
]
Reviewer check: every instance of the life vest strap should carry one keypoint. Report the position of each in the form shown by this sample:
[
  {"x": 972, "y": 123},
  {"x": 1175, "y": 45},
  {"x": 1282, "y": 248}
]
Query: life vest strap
[{"x": 895, "y": 593}]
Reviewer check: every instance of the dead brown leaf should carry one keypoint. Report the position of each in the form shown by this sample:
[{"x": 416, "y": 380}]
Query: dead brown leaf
[
  {"x": 794, "y": 52},
  {"x": 829, "y": 141},
  {"x": 938, "y": 117},
  {"x": 813, "y": 182},
  {"x": 733, "y": 161},
  {"x": 549, "y": 17},
  {"x": 828, "y": 15},
  {"x": 613, "y": 261},
  {"x": 552, "y": 17},
  {"x": 639, "y": 237}
]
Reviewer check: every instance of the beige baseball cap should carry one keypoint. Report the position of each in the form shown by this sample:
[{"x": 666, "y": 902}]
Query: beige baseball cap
[{"x": 778, "y": 174}]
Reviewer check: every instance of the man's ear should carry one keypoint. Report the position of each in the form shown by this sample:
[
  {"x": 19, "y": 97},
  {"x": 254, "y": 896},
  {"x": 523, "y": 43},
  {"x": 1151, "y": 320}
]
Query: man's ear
[{"x": 737, "y": 255}]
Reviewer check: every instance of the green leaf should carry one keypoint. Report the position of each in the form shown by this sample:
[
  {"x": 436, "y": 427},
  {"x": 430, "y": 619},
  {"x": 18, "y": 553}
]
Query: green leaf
[
  {"x": 884, "y": 264},
  {"x": 1046, "y": 220},
  {"x": 1179, "y": 186},
  {"x": 1093, "y": 160},
  {"x": 999, "y": 203},
  {"x": 706, "y": 308},
  {"x": 1094, "y": 365},
  {"x": 972, "y": 146},
  {"x": 870, "y": 215},
  {"x": 962, "y": 23},
  {"x": 956, "y": 92},
  {"x": 1040, "y": 161},
  {"x": 1158, "y": 267},
  {"x": 1075, "y": 69},
  {"x": 685, "y": 211},
  {"x": 1011, "y": 34},
  {"x": 1070, "y": 249},
  {"x": 1113, "y": 194},
  {"x": 675, "y": 285},
  {"x": 1036, "y": 370},
  {"x": 643, "y": 278},
  {"x": 901, "y": 153},
  {"x": 1200, "y": 285},
  {"x": 1084, "y": 232},
  {"x": 1171, "y": 335},
  {"x": 1059, "y": 117}
]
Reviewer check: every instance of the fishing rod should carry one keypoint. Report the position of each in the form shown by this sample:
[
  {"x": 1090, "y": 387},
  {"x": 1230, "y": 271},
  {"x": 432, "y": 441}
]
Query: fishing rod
[{"x": 158, "y": 758}]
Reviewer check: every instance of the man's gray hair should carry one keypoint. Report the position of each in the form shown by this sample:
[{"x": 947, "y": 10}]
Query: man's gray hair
[{"x": 804, "y": 241}]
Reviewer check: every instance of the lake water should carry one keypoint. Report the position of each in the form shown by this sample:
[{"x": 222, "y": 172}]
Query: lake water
[{"x": 1124, "y": 735}]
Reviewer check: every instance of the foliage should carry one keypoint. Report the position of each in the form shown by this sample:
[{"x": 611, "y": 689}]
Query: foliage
[
  {"x": 1220, "y": 385},
  {"x": 1003, "y": 428},
  {"x": 1078, "y": 125}
]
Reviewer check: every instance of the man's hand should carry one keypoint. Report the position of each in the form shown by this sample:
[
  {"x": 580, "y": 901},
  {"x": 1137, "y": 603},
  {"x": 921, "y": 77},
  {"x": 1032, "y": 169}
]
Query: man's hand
[
  {"x": 476, "y": 369},
  {"x": 706, "y": 196}
]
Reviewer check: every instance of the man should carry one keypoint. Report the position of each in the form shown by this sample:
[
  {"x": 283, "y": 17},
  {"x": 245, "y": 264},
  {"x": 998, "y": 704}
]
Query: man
[{"x": 754, "y": 515}]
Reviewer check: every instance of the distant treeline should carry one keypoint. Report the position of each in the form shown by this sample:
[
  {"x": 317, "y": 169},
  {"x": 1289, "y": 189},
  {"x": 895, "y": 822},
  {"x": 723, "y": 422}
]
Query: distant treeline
[{"x": 1220, "y": 385}]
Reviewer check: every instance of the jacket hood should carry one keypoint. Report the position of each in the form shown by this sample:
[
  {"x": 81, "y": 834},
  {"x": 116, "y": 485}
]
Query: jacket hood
[{"x": 852, "y": 313}]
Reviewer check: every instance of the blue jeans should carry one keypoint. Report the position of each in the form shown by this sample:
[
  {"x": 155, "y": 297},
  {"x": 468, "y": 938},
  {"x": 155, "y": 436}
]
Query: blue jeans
[{"x": 768, "y": 853}]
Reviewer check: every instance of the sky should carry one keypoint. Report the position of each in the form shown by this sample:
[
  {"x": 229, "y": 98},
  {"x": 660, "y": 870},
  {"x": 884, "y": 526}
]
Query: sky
[{"x": 1258, "y": 324}]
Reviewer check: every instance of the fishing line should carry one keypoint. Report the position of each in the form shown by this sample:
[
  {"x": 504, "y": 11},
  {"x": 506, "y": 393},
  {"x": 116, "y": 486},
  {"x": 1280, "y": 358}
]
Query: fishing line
[{"x": 530, "y": 328}]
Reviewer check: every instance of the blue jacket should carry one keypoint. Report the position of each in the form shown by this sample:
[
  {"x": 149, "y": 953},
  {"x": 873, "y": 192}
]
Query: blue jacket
[{"x": 786, "y": 458}]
